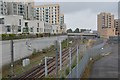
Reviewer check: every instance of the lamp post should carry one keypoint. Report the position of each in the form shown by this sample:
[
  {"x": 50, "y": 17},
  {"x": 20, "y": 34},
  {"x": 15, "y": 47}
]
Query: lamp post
[
  {"x": 60, "y": 56},
  {"x": 56, "y": 49},
  {"x": 12, "y": 53},
  {"x": 46, "y": 72},
  {"x": 70, "y": 57},
  {"x": 77, "y": 58}
]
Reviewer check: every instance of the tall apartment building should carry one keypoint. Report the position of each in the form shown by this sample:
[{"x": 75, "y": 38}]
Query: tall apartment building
[
  {"x": 48, "y": 13},
  {"x": 105, "y": 23},
  {"x": 61, "y": 18},
  {"x": 116, "y": 26},
  {"x": 119, "y": 17},
  {"x": 24, "y": 9},
  {"x": 3, "y": 8}
]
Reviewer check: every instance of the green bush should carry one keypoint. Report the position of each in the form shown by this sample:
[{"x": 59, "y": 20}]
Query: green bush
[
  {"x": 40, "y": 35},
  {"x": 12, "y": 35},
  {"x": 67, "y": 71},
  {"x": 73, "y": 65}
]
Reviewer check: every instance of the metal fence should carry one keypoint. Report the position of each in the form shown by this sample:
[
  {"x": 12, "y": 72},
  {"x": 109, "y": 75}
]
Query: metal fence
[{"x": 91, "y": 53}]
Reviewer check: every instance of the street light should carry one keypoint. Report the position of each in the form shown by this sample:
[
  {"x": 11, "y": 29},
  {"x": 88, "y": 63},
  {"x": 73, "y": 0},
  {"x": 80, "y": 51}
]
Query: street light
[
  {"x": 70, "y": 56},
  {"x": 60, "y": 56},
  {"x": 46, "y": 72},
  {"x": 12, "y": 51},
  {"x": 77, "y": 58}
]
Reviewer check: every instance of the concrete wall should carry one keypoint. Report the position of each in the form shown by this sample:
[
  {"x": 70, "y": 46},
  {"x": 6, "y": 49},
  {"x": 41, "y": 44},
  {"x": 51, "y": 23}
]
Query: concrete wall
[{"x": 21, "y": 48}]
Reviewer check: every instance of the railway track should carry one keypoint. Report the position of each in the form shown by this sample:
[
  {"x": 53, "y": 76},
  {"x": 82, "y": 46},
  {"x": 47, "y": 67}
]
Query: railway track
[{"x": 39, "y": 71}]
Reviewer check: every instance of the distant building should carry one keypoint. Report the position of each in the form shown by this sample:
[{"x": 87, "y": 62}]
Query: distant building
[
  {"x": 11, "y": 24},
  {"x": 62, "y": 28},
  {"x": 15, "y": 24},
  {"x": 49, "y": 13},
  {"x": 116, "y": 26},
  {"x": 33, "y": 26},
  {"x": 47, "y": 16},
  {"x": 20, "y": 8},
  {"x": 3, "y": 8},
  {"x": 105, "y": 23}
]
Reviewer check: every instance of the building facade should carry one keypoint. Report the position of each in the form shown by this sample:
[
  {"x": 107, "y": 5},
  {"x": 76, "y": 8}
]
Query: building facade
[
  {"x": 11, "y": 24},
  {"x": 21, "y": 8},
  {"x": 116, "y": 26},
  {"x": 15, "y": 24},
  {"x": 34, "y": 19},
  {"x": 3, "y": 8},
  {"x": 48, "y": 13},
  {"x": 33, "y": 26},
  {"x": 105, "y": 23}
]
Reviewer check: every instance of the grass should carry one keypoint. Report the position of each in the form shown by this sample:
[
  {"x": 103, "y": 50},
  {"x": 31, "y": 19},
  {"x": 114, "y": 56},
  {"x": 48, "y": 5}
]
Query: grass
[
  {"x": 35, "y": 59},
  {"x": 88, "y": 68}
]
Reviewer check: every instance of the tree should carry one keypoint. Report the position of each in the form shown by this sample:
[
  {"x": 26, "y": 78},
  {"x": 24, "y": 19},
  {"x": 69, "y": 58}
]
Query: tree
[
  {"x": 69, "y": 31},
  {"x": 76, "y": 30}
]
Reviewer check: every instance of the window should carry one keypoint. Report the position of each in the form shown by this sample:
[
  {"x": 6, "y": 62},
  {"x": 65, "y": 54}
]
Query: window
[
  {"x": 8, "y": 28},
  {"x": 2, "y": 21},
  {"x": 38, "y": 24},
  {"x": 26, "y": 24},
  {"x": 19, "y": 28},
  {"x": 37, "y": 29},
  {"x": 19, "y": 21},
  {"x": 31, "y": 29}
]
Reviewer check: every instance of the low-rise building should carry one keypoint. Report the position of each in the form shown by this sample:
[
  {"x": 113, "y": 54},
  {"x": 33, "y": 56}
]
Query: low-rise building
[
  {"x": 15, "y": 24},
  {"x": 47, "y": 27},
  {"x": 55, "y": 29},
  {"x": 33, "y": 26},
  {"x": 12, "y": 24}
]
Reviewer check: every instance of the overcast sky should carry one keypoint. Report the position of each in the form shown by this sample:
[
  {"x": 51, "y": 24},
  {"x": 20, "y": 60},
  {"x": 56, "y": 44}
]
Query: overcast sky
[{"x": 84, "y": 14}]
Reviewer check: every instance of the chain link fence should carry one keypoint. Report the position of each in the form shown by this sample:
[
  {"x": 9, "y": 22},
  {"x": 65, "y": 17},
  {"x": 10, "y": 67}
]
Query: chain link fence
[{"x": 100, "y": 49}]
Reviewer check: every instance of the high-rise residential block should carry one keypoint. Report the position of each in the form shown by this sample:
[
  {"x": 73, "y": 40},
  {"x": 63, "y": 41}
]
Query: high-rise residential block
[
  {"x": 116, "y": 26},
  {"x": 105, "y": 24},
  {"x": 61, "y": 18},
  {"x": 24, "y": 9},
  {"x": 49, "y": 13},
  {"x": 3, "y": 8}
]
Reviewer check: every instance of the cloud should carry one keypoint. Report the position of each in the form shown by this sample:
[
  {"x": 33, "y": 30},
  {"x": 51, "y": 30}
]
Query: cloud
[
  {"x": 82, "y": 19},
  {"x": 83, "y": 14}
]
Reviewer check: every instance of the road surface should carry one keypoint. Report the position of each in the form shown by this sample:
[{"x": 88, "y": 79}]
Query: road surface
[{"x": 107, "y": 67}]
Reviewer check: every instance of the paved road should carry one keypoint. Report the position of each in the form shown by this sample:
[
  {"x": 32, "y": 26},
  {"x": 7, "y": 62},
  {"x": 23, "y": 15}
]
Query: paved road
[{"x": 107, "y": 67}]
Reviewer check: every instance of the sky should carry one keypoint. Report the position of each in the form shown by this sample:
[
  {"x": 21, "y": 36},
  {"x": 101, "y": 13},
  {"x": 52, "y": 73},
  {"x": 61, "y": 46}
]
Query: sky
[{"x": 83, "y": 15}]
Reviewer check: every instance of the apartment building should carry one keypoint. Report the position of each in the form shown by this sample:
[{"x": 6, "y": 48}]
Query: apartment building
[
  {"x": 116, "y": 26},
  {"x": 105, "y": 23},
  {"x": 33, "y": 26},
  {"x": 62, "y": 28},
  {"x": 15, "y": 24},
  {"x": 3, "y": 8},
  {"x": 61, "y": 18},
  {"x": 24, "y": 9},
  {"x": 11, "y": 24},
  {"x": 48, "y": 13}
]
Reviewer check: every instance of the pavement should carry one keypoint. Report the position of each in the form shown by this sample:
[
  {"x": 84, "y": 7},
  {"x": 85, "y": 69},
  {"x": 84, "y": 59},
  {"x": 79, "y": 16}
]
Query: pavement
[{"x": 106, "y": 67}]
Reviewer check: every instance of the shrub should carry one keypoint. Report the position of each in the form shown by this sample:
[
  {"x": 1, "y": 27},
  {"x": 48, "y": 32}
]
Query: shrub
[
  {"x": 12, "y": 35},
  {"x": 40, "y": 35},
  {"x": 73, "y": 65},
  {"x": 37, "y": 34},
  {"x": 67, "y": 71}
]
